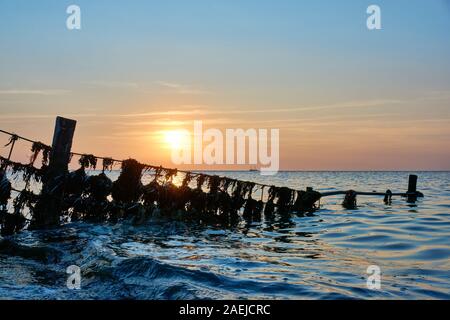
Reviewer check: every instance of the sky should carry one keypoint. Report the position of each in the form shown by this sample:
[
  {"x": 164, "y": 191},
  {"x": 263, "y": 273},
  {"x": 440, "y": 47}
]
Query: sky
[{"x": 342, "y": 96}]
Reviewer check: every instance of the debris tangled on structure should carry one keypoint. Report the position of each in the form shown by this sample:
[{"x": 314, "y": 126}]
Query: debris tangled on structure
[{"x": 76, "y": 195}]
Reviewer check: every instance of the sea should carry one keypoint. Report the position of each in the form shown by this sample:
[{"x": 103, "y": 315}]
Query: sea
[{"x": 376, "y": 251}]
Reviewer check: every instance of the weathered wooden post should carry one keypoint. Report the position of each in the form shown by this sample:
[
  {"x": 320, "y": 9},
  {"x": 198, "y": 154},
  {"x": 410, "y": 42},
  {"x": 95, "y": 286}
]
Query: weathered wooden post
[
  {"x": 48, "y": 209},
  {"x": 412, "y": 189}
]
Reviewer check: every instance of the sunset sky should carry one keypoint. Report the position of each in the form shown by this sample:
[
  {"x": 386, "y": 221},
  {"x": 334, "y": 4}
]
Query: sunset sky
[{"x": 343, "y": 97}]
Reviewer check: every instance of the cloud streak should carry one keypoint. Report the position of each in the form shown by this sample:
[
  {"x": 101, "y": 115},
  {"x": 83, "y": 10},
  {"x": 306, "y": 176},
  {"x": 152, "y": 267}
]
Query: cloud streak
[
  {"x": 353, "y": 104},
  {"x": 112, "y": 84},
  {"x": 181, "y": 88},
  {"x": 38, "y": 92}
]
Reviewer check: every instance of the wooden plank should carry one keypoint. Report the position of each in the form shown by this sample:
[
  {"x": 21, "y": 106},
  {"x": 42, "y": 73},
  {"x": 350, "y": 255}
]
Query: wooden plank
[
  {"x": 411, "y": 194},
  {"x": 361, "y": 193},
  {"x": 48, "y": 209},
  {"x": 412, "y": 189}
]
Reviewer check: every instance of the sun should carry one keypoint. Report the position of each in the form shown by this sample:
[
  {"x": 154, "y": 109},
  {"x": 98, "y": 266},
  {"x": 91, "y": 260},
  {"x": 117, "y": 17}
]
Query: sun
[{"x": 176, "y": 139}]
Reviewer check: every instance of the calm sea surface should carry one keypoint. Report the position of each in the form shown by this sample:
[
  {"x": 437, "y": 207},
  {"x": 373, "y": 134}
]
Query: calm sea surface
[{"x": 324, "y": 256}]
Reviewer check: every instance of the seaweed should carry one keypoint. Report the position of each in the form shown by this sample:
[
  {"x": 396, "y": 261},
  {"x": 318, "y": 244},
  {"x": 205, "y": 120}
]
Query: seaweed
[
  {"x": 107, "y": 164},
  {"x": 170, "y": 174},
  {"x": 349, "y": 200},
  {"x": 200, "y": 181},
  {"x": 11, "y": 223},
  {"x": 257, "y": 210},
  {"x": 128, "y": 187},
  {"x": 237, "y": 196},
  {"x": 27, "y": 170},
  {"x": 269, "y": 208},
  {"x": 88, "y": 161},
  {"x": 253, "y": 208},
  {"x": 224, "y": 204},
  {"x": 150, "y": 193},
  {"x": 25, "y": 198},
  {"x": 99, "y": 187},
  {"x": 197, "y": 202},
  {"x": 306, "y": 201},
  {"x": 75, "y": 182},
  {"x": 212, "y": 199},
  {"x": 5, "y": 190},
  {"x": 187, "y": 179},
  {"x": 285, "y": 197},
  {"x": 249, "y": 207},
  {"x": 213, "y": 184},
  {"x": 36, "y": 149},
  {"x": 388, "y": 197},
  {"x": 169, "y": 198},
  {"x": 182, "y": 199},
  {"x": 92, "y": 210}
]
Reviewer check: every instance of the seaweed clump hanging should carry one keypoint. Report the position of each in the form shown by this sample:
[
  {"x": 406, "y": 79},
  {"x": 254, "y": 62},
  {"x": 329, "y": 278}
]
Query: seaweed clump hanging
[
  {"x": 12, "y": 223},
  {"x": 88, "y": 161},
  {"x": 253, "y": 208},
  {"x": 5, "y": 190},
  {"x": 94, "y": 201},
  {"x": 99, "y": 187},
  {"x": 197, "y": 204},
  {"x": 75, "y": 182},
  {"x": 285, "y": 200},
  {"x": 350, "y": 200},
  {"x": 306, "y": 201},
  {"x": 36, "y": 149},
  {"x": 128, "y": 187},
  {"x": 28, "y": 171}
]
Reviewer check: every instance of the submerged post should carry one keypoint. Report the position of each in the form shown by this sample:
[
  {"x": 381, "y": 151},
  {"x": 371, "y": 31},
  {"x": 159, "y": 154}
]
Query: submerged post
[
  {"x": 412, "y": 188},
  {"x": 48, "y": 209}
]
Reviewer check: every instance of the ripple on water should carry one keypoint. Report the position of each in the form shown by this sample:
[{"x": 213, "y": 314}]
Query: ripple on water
[
  {"x": 370, "y": 238},
  {"x": 397, "y": 246},
  {"x": 431, "y": 254}
]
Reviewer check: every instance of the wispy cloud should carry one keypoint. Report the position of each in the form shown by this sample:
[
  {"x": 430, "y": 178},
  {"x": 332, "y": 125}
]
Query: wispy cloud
[
  {"x": 344, "y": 105},
  {"x": 173, "y": 87},
  {"x": 160, "y": 113},
  {"x": 241, "y": 110},
  {"x": 112, "y": 84},
  {"x": 435, "y": 95},
  {"x": 158, "y": 122},
  {"x": 207, "y": 111},
  {"x": 181, "y": 88},
  {"x": 24, "y": 116},
  {"x": 39, "y": 92}
]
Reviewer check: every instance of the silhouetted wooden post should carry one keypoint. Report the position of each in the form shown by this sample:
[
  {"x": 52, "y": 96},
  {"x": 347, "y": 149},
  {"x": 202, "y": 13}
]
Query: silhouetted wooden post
[
  {"x": 412, "y": 188},
  {"x": 48, "y": 210}
]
